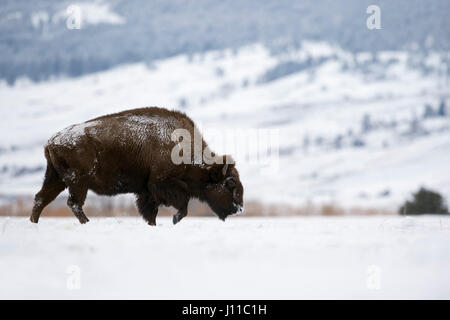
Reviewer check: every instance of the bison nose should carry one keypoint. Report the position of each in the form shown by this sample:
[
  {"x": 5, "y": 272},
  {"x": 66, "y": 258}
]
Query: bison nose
[{"x": 239, "y": 209}]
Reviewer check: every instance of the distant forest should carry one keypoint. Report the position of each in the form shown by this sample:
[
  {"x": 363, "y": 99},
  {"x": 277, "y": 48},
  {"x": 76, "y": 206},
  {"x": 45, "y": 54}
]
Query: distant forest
[{"x": 163, "y": 28}]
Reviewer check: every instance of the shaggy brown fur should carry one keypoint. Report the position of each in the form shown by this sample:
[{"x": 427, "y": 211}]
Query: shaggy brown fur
[{"x": 130, "y": 152}]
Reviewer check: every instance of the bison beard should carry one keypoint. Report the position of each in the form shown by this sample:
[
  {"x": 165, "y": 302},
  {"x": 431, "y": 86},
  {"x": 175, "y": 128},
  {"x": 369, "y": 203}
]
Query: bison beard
[{"x": 130, "y": 152}]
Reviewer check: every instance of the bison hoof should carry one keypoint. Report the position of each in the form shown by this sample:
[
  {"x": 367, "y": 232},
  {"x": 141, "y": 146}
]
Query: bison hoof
[
  {"x": 176, "y": 218},
  {"x": 34, "y": 220},
  {"x": 84, "y": 220}
]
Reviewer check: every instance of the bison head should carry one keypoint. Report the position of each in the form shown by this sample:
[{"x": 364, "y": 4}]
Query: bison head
[{"x": 224, "y": 193}]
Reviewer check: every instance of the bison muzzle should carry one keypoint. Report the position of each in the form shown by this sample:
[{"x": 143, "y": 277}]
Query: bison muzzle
[{"x": 132, "y": 152}]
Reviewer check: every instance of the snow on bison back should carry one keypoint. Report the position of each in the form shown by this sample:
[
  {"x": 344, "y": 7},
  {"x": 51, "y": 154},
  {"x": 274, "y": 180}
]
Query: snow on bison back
[{"x": 132, "y": 152}]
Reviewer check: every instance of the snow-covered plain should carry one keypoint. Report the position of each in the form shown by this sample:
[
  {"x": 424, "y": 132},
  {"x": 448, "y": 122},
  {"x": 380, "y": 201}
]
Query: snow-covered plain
[{"x": 310, "y": 257}]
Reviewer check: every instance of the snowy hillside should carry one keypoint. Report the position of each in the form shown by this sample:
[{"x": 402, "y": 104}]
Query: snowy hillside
[
  {"x": 38, "y": 40},
  {"x": 354, "y": 129},
  {"x": 243, "y": 258}
]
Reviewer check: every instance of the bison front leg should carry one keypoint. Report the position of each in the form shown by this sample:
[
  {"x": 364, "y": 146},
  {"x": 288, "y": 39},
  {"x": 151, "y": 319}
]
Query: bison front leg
[
  {"x": 147, "y": 208},
  {"x": 182, "y": 212},
  {"x": 178, "y": 197}
]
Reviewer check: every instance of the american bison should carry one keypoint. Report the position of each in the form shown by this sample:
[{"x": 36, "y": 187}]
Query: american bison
[{"x": 133, "y": 152}]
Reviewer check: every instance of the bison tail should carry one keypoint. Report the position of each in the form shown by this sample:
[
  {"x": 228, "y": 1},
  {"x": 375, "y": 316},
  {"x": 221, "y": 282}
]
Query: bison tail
[
  {"x": 51, "y": 164},
  {"x": 47, "y": 154}
]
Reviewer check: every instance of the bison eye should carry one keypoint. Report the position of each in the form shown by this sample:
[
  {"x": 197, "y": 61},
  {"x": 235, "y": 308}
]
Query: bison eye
[{"x": 230, "y": 184}]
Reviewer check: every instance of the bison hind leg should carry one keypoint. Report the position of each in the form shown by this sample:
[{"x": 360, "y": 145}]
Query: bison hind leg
[
  {"x": 77, "y": 196},
  {"x": 147, "y": 207},
  {"x": 51, "y": 188}
]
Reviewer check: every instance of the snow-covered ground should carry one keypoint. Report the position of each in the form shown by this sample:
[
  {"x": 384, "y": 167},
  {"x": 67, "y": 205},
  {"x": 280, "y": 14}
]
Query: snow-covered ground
[
  {"x": 351, "y": 126},
  {"x": 376, "y": 257}
]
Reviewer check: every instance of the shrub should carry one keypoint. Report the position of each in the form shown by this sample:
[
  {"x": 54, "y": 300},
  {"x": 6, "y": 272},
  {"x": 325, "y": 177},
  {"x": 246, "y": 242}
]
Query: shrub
[{"x": 425, "y": 201}]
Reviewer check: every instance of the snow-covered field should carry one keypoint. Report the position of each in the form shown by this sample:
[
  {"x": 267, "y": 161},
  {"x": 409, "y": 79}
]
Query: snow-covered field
[{"x": 347, "y": 257}]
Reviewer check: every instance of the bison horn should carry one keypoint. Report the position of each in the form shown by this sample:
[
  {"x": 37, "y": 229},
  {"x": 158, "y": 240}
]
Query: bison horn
[
  {"x": 225, "y": 168},
  {"x": 226, "y": 180}
]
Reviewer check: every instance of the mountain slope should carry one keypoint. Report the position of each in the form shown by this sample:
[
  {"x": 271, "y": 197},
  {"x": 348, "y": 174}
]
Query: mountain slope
[{"x": 35, "y": 41}]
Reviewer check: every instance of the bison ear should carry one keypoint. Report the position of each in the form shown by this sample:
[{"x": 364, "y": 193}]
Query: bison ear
[{"x": 214, "y": 172}]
